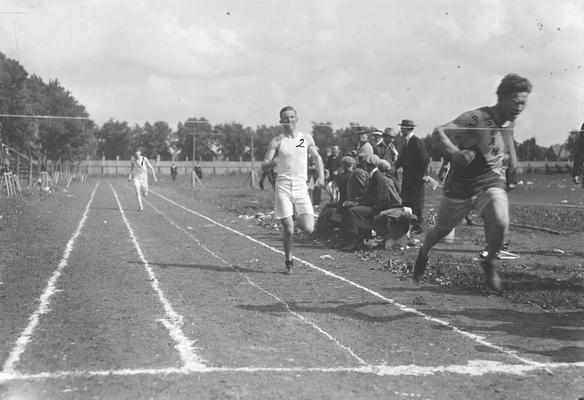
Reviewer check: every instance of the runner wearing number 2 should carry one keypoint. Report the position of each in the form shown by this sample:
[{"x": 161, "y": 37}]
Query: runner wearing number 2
[{"x": 291, "y": 192}]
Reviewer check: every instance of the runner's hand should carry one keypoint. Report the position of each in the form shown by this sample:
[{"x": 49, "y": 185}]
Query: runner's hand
[{"x": 462, "y": 158}]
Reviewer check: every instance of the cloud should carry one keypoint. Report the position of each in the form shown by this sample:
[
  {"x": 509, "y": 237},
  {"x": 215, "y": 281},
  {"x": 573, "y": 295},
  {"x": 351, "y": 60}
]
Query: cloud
[{"x": 373, "y": 61}]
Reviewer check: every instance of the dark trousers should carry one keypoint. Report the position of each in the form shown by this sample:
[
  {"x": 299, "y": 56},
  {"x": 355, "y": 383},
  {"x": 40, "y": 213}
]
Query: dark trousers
[
  {"x": 413, "y": 196},
  {"x": 358, "y": 218}
]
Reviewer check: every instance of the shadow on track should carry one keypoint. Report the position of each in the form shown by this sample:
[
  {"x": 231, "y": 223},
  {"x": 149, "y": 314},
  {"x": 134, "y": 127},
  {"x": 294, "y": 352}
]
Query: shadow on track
[
  {"x": 204, "y": 267},
  {"x": 341, "y": 309}
]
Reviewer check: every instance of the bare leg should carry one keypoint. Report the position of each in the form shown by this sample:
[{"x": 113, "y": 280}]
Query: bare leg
[
  {"x": 496, "y": 217},
  {"x": 306, "y": 222},
  {"x": 496, "y": 225},
  {"x": 288, "y": 232},
  {"x": 434, "y": 235},
  {"x": 139, "y": 195}
]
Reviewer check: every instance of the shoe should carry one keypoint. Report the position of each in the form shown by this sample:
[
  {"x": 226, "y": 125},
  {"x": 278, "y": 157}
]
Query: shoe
[
  {"x": 288, "y": 266},
  {"x": 140, "y": 209},
  {"x": 491, "y": 275},
  {"x": 419, "y": 267}
]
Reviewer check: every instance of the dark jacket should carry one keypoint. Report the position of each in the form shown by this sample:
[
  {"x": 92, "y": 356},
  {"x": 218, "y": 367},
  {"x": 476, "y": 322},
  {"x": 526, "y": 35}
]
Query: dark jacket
[
  {"x": 414, "y": 161},
  {"x": 379, "y": 196},
  {"x": 578, "y": 153}
]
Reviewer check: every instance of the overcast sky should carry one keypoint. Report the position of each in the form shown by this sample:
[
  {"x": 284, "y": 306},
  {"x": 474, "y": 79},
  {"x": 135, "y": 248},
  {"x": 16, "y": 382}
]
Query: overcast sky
[{"x": 366, "y": 61}]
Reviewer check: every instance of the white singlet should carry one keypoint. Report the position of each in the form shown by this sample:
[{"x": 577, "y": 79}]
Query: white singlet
[{"x": 293, "y": 156}]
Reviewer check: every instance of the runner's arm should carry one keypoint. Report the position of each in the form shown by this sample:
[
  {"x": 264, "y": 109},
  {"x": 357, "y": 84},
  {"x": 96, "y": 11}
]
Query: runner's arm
[
  {"x": 452, "y": 134},
  {"x": 152, "y": 169},
  {"x": 268, "y": 162},
  {"x": 512, "y": 167},
  {"x": 319, "y": 165}
]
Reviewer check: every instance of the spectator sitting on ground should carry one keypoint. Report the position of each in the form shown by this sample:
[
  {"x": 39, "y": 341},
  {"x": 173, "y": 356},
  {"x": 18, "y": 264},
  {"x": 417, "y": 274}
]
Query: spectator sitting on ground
[
  {"x": 341, "y": 182},
  {"x": 387, "y": 171},
  {"x": 358, "y": 181},
  {"x": 359, "y": 214}
]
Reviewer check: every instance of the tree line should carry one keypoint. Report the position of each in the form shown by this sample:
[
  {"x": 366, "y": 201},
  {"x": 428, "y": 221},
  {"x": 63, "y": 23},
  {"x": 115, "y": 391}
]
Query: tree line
[{"x": 22, "y": 94}]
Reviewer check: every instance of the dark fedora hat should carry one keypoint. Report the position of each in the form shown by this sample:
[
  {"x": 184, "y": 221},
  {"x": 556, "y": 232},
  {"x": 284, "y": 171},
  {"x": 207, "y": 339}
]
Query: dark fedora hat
[{"x": 407, "y": 123}]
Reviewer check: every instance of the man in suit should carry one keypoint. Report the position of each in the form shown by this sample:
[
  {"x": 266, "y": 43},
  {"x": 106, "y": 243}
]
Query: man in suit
[
  {"x": 378, "y": 197},
  {"x": 578, "y": 157},
  {"x": 414, "y": 161}
]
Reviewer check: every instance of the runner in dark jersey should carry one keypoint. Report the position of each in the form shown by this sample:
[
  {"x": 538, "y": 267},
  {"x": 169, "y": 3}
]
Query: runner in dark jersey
[{"x": 480, "y": 146}]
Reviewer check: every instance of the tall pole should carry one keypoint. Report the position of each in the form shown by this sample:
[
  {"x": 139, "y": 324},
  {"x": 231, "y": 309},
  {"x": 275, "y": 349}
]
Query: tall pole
[
  {"x": 193, "y": 179},
  {"x": 252, "y": 172}
]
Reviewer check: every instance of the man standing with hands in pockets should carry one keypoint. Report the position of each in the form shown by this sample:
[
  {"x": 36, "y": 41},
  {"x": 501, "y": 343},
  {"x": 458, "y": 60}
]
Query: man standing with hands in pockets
[{"x": 291, "y": 191}]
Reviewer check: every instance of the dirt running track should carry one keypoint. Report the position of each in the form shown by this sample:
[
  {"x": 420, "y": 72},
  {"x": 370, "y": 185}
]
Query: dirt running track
[{"x": 182, "y": 301}]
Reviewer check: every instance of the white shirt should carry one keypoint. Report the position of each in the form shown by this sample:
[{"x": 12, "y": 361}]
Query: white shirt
[{"x": 293, "y": 156}]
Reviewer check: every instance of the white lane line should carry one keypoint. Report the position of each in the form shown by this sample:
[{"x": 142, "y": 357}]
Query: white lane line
[
  {"x": 286, "y": 305},
  {"x": 472, "y": 368},
  {"x": 45, "y": 298},
  {"x": 476, "y": 338},
  {"x": 172, "y": 321}
]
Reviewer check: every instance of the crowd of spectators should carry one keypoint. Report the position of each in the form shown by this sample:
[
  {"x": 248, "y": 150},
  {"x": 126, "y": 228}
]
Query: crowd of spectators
[{"x": 386, "y": 169}]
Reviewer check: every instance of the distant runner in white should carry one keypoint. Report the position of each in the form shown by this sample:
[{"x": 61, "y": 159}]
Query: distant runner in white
[
  {"x": 139, "y": 175},
  {"x": 291, "y": 191}
]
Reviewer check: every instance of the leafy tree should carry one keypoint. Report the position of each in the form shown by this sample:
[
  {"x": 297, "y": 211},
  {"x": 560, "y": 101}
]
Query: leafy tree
[
  {"x": 570, "y": 143},
  {"x": 61, "y": 138},
  {"x": 12, "y": 79},
  {"x": 114, "y": 138},
  {"x": 322, "y": 133},
  {"x": 153, "y": 139},
  {"x": 528, "y": 150},
  {"x": 263, "y": 135},
  {"x": 235, "y": 140},
  {"x": 346, "y": 138},
  {"x": 204, "y": 142}
]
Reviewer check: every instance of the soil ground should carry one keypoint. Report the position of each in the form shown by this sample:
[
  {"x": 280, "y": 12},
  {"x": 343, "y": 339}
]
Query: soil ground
[{"x": 187, "y": 300}]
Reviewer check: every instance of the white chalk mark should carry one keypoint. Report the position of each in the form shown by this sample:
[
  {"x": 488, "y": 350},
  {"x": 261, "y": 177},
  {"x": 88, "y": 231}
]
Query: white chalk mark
[
  {"x": 476, "y": 338},
  {"x": 45, "y": 298},
  {"x": 472, "y": 368},
  {"x": 286, "y": 305},
  {"x": 173, "y": 321}
]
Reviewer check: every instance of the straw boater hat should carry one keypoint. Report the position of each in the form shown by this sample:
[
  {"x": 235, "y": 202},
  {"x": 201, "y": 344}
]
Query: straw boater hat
[
  {"x": 407, "y": 123},
  {"x": 361, "y": 130},
  {"x": 377, "y": 132}
]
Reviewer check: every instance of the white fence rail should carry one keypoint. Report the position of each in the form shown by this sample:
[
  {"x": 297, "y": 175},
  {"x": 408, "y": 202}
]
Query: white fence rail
[{"x": 122, "y": 167}]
